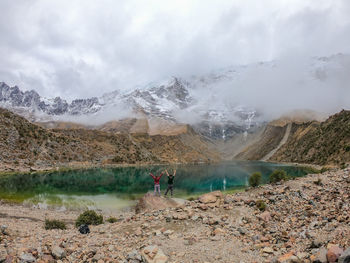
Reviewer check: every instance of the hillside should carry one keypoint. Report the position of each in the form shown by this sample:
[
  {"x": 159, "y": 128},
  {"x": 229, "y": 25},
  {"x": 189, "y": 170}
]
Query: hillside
[
  {"x": 319, "y": 143},
  {"x": 265, "y": 142},
  {"x": 311, "y": 142},
  {"x": 25, "y": 145}
]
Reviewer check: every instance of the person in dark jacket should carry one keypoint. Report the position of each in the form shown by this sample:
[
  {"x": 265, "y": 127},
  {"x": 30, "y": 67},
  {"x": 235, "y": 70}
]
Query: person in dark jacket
[
  {"x": 156, "y": 182},
  {"x": 171, "y": 178}
]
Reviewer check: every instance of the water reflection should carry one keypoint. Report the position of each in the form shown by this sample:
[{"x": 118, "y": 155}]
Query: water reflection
[{"x": 116, "y": 187}]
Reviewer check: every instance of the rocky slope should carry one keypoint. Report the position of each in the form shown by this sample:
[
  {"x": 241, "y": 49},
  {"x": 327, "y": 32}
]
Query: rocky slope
[
  {"x": 25, "y": 145},
  {"x": 306, "y": 220},
  {"x": 322, "y": 143},
  {"x": 312, "y": 142}
]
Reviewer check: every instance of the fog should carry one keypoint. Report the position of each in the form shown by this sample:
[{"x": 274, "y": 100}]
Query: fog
[
  {"x": 284, "y": 85},
  {"x": 84, "y": 48}
]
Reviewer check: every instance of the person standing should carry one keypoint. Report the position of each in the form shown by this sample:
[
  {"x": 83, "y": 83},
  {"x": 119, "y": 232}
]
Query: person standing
[
  {"x": 156, "y": 183},
  {"x": 171, "y": 178}
]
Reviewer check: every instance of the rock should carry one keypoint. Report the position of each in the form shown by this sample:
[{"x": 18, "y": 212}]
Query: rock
[
  {"x": 242, "y": 231},
  {"x": 168, "y": 232},
  {"x": 150, "y": 202},
  {"x": 333, "y": 253},
  {"x": 3, "y": 230},
  {"x": 153, "y": 254},
  {"x": 48, "y": 258},
  {"x": 3, "y": 254},
  {"x": 58, "y": 252},
  {"x": 268, "y": 250},
  {"x": 210, "y": 197},
  {"x": 320, "y": 256},
  {"x": 135, "y": 256},
  {"x": 218, "y": 231},
  {"x": 265, "y": 216},
  {"x": 285, "y": 258},
  {"x": 27, "y": 257},
  {"x": 345, "y": 257}
]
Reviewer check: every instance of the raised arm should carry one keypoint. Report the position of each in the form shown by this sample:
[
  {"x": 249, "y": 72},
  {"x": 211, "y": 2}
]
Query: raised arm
[
  {"x": 174, "y": 172},
  {"x": 152, "y": 175},
  {"x": 167, "y": 174},
  {"x": 160, "y": 176}
]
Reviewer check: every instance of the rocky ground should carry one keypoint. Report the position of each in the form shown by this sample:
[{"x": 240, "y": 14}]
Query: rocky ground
[{"x": 306, "y": 220}]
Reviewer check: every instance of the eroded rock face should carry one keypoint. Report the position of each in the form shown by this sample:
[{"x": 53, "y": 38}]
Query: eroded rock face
[{"x": 150, "y": 202}]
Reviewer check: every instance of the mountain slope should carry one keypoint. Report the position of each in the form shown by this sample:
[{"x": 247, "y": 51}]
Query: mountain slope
[
  {"x": 322, "y": 143},
  {"x": 310, "y": 142},
  {"x": 24, "y": 145}
]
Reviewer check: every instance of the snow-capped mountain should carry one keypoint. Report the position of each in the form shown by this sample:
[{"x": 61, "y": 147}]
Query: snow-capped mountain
[
  {"x": 209, "y": 102},
  {"x": 166, "y": 100}
]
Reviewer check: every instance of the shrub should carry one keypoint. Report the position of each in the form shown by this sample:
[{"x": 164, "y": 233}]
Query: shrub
[
  {"x": 260, "y": 204},
  {"x": 112, "y": 220},
  {"x": 255, "y": 179},
  {"x": 277, "y": 176},
  {"x": 54, "y": 224},
  {"x": 89, "y": 217}
]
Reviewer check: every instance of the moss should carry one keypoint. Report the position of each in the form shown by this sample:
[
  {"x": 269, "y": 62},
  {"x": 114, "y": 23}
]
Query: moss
[
  {"x": 54, "y": 224},
  {"x": 89, "y": 217}
]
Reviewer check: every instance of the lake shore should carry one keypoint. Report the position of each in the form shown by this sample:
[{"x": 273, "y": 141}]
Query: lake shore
[{"x": 304, "y": 219}]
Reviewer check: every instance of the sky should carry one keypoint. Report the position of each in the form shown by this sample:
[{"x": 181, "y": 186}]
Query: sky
[{"x": 83, "y": 48}]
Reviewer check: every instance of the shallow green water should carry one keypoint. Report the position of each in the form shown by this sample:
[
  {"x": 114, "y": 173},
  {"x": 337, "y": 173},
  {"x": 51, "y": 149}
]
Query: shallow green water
[{"x": 116, "y": 188}]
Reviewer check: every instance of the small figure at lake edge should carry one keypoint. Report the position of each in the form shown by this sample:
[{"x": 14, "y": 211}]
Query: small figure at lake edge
[
  {"x": 156, "y": 182},
  {"x": 170, "y": 182}
]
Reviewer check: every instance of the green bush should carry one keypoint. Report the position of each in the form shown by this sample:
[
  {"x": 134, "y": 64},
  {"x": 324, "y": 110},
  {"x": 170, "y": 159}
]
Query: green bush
[
  {"x": 89, "y": 217},
  {"x": 255, "y": 179},
  {"x": 112, "y": 220},
  {"x": 260, "y": 204},
  {"x": 54, "y": 224},
  {"x": 277, "y": 176}
]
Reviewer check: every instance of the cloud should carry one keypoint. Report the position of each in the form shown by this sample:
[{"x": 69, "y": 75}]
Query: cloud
[{"x": 84, "y": 48}]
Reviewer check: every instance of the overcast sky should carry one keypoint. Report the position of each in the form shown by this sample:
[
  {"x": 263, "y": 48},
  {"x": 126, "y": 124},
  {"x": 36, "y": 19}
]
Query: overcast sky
[{"x": 82, "y": 48}]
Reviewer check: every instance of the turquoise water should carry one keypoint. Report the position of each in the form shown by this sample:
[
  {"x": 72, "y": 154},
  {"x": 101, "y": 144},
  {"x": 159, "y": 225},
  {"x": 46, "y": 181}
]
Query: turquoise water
[{"x": 116, "y": 188}]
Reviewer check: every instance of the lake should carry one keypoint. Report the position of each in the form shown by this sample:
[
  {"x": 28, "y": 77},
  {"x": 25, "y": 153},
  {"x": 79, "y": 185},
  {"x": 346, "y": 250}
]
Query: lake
[{"x": 118, "y": 188}]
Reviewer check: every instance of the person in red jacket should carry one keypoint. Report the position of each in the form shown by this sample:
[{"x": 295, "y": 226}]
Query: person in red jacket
[{"x": 156, "y": 182}]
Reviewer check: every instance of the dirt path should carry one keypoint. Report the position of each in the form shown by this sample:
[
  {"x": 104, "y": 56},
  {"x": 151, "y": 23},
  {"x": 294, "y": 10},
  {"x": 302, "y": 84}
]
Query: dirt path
[{"x": 282, "y": 142}]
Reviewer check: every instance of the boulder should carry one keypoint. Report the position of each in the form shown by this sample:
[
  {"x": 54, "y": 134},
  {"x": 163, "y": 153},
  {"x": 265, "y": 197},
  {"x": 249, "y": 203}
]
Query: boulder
[
  {"x": 333, "y": 253},
  {"x": 150, "y": 202},
  {"x": 27, "y": 258},
  {"x": 212, "y": 197},
  {"x": 58, "y": 252},
  {"x": 153, "y": 254},
  {"x": 320, "y": 256}
]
